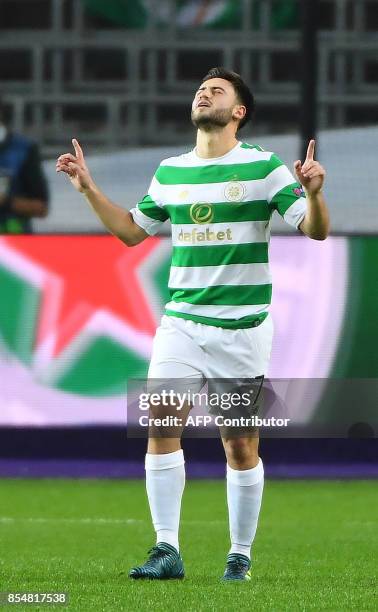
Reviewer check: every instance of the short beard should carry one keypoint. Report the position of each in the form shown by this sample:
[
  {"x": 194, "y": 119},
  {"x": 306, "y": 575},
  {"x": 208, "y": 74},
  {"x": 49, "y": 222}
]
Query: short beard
[{"x": 214, "y": 121}]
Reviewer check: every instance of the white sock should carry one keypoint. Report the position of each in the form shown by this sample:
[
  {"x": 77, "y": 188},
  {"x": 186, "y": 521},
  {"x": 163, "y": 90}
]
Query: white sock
[
  {"x": 165, "y": 481},
  {"x": 244, "y": 494}
]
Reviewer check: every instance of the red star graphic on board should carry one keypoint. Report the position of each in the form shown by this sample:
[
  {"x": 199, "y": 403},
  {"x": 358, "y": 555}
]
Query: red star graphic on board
[{"x": 85, "y": 274}]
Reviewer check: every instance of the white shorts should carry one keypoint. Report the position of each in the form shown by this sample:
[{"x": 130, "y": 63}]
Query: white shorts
[{"x": 183, "y": 348}]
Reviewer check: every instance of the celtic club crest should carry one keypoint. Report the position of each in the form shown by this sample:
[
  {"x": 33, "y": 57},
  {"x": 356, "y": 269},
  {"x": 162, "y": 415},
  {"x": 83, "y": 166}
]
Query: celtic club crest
[{"x": 234, "y": 191}]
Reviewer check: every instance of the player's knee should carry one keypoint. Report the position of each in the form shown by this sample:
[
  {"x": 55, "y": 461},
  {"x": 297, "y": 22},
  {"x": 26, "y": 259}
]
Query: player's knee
[{"x": 241, "y": 450}]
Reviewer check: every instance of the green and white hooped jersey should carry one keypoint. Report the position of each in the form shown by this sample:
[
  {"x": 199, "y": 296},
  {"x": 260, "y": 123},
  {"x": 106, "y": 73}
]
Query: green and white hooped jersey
[{"x": 220, "y": 210}]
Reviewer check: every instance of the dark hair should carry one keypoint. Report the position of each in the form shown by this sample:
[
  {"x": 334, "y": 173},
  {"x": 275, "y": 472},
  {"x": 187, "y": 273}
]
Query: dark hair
[{"x": 242, "y": 90}]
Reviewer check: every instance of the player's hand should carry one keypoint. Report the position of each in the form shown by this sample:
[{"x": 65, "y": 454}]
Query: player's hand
[
  {"x": 311, "y": 174},
  {"x": 76, "y": 168}
]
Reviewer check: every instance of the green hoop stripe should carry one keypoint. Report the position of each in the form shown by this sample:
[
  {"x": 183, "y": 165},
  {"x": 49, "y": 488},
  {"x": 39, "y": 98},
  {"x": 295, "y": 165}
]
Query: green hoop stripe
[
  {"x": 223, "y": 212},
  {"x": 225, "y": 295}
]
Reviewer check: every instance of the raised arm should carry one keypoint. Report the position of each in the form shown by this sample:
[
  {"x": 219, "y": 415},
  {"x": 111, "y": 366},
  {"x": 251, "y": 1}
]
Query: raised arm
[
  {"x": 311, "y": 175},
  {"x": 117, "y": 220}
]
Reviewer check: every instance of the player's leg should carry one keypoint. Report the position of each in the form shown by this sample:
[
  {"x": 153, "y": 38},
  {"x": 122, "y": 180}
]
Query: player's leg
[
  {"x": 165, "y": 470},
  {"x": 165, "y": 482},
  {"x": 165, "y": 476},
  {"x": 237, "y": 355},
  {"x": 245, "y": 482}
]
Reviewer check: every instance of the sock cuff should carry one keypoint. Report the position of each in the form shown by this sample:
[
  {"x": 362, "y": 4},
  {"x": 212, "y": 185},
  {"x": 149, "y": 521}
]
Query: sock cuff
[
  {"x": 164, "y": 462},
  {"x": 246, "y": 478}
]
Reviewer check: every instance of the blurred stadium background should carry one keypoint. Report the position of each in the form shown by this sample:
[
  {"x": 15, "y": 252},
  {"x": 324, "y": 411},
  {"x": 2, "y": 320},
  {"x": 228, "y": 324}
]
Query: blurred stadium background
[{"x": 78, "y": 311}]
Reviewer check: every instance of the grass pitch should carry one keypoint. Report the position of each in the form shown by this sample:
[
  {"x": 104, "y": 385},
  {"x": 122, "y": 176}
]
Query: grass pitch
[{"x": 315, "y": 546}]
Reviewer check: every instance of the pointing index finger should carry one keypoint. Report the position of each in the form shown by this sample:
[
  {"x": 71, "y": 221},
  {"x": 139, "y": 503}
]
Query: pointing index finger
[
  {"x": 78, "y": 149},
  {"x": 310, "y": 151}
]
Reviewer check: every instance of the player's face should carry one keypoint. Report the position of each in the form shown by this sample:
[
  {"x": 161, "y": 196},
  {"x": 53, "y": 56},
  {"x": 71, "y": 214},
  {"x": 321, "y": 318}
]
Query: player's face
[{"x": 215, "y": 105}]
